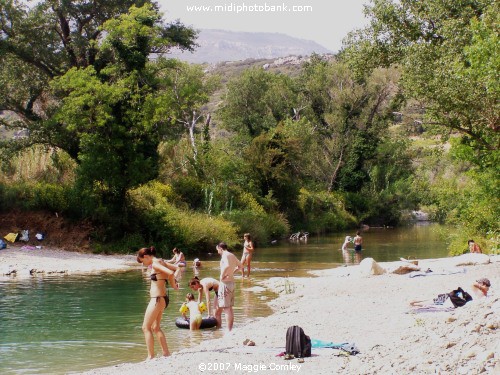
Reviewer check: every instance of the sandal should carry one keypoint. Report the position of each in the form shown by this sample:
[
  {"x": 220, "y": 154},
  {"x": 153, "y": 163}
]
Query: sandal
[
  {"x": 300, "y": 360},
  {"x": 289, "y": 356}
]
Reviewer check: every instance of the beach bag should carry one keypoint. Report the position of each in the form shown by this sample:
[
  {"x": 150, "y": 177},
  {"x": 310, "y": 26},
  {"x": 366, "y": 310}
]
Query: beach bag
[
  {"x": 3, "y": 245},
  {"x": 297, "y": 342},
  {"x": 459, "y": 297}
]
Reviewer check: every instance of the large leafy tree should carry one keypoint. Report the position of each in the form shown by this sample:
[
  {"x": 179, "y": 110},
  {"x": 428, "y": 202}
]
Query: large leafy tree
[
  {"x": 350, "y": 117},
  {"x": 87, "y": 87},
  {"x": 257, "y": 101},
  {"x": 448, "y": 54}
]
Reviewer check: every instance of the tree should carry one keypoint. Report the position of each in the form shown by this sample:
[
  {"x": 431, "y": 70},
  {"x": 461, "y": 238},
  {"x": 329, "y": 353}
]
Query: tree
[
  {"x": 257, "y": 101},
  {"x": 93, "y": 90},
  {"x": 349, "y": 118},
  {"x": 68, "y": 35},
  {"x": 446, "y": 51}
]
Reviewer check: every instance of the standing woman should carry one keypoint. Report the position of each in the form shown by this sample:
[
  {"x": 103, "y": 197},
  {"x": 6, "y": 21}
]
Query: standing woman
[
  {"x": 248, "y": 249},
  {"x": 161, "y": 272}
]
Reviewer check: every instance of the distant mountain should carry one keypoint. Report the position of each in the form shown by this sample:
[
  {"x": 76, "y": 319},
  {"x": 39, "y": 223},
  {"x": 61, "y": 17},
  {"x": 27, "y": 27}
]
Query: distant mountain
[{"x": 219, "y": 45}]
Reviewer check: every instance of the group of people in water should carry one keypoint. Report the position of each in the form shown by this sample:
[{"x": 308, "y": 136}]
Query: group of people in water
[{"x": 164, "y": 273}]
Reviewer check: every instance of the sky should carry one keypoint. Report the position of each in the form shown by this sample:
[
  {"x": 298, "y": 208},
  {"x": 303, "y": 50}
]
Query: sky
[{"x": 326, "y": 22}]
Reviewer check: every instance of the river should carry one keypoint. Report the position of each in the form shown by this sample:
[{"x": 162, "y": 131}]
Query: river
[{"x": 63, "y": 324}]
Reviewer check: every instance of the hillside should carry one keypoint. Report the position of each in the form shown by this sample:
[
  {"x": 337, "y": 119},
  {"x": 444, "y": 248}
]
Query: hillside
[{"x": 220, "y": 45}]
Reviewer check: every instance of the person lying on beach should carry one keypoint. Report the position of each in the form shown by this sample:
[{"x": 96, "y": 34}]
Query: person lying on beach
[
  {"x": 481, "y": 287},
  {"x": 195, "y": 317},
  {"x": 457, "y": 297}
]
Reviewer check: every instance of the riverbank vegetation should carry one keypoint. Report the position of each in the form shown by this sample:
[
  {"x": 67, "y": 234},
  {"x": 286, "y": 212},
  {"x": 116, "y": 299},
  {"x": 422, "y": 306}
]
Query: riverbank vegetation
[{"x": 153, "y": 150}]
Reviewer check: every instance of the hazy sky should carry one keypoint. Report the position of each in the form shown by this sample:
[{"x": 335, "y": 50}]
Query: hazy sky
[{"x": 326, "y": 22}]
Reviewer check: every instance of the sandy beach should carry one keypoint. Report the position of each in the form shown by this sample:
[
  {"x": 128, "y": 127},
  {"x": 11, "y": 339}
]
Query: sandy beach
[{"x": 346, "y": 304}]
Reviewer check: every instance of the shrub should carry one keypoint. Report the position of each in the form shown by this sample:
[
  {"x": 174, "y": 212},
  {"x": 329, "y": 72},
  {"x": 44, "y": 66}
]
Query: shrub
[
  {"x": 166, "y": 225},
  {"x": 323, "y": 212},
  {"x": 35, "y": 196},
  {"x": 263, "y": 226}
]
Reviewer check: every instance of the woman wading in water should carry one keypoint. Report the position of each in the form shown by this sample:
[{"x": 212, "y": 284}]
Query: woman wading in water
[{"x": 161, "y": 272}]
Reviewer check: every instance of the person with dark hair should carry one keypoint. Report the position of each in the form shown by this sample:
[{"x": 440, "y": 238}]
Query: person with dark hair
[
  {"x": 178, "y": 259},
  {"x": 481, "y": 287},
  {"x": 161, "y": 272},
  {"x": 206, "y": 285},
  {"x": 228, "y": 265},
  {"x": 474, "y": 247},
  {"x": 248, "y": 249},
  {"x": 358, "y": 242}
]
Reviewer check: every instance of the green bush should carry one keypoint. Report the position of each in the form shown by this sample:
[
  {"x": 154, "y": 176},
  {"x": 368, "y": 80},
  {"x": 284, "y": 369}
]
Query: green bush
[
  {"x": 488, "y": 242},
  {"x": 167, "y": 226},
  {"x": 35, "y": 196},
  {"x": 323, "y": 212},
  {"x": 262, "y": 226}
]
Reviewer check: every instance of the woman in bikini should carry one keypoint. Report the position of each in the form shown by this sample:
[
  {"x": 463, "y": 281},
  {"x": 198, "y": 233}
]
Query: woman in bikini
[
  {"x": 178, "y": 259},
  {"x": 207, "y": 285},
  {"x": 246, "y": 258},
  {"x": 161, "y": 272}
]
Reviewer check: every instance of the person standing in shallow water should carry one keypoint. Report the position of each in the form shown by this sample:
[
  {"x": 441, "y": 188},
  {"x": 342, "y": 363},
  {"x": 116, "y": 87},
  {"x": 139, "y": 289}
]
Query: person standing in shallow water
[
  {"x": 246, "y": 258},
  {"x": 358, "y": 242},
  {"x": 161, "y": 272},
  {"x": 225, "y": 296}
]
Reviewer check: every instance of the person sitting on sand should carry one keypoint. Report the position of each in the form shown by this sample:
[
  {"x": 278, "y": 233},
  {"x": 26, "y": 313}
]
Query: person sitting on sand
[
  {"x": 195, "y": 317},
  {"x": 206, "y": 285},
  {"x": 474, "y": 247}
]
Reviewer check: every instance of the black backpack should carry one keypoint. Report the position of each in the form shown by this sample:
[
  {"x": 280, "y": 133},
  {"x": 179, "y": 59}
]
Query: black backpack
[
  {"x": 297, "y": 342},
  {"x": 459, "y": 297}
]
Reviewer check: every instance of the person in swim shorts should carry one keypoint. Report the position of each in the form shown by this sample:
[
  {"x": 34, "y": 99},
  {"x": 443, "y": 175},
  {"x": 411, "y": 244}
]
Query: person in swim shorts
[
  {"x": 225, "y": 296},
  {"x": 358, "y": 241}
]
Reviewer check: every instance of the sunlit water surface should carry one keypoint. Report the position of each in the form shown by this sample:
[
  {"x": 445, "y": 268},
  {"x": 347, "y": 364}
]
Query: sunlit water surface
[{"x": 63, "y": 324}]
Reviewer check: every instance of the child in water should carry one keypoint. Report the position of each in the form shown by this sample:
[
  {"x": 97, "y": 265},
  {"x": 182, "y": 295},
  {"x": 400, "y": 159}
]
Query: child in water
[{"x": 195, "y": 317}]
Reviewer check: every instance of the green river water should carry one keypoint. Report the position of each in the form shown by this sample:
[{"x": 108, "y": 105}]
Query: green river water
[{"x": 64, "y": 324}]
